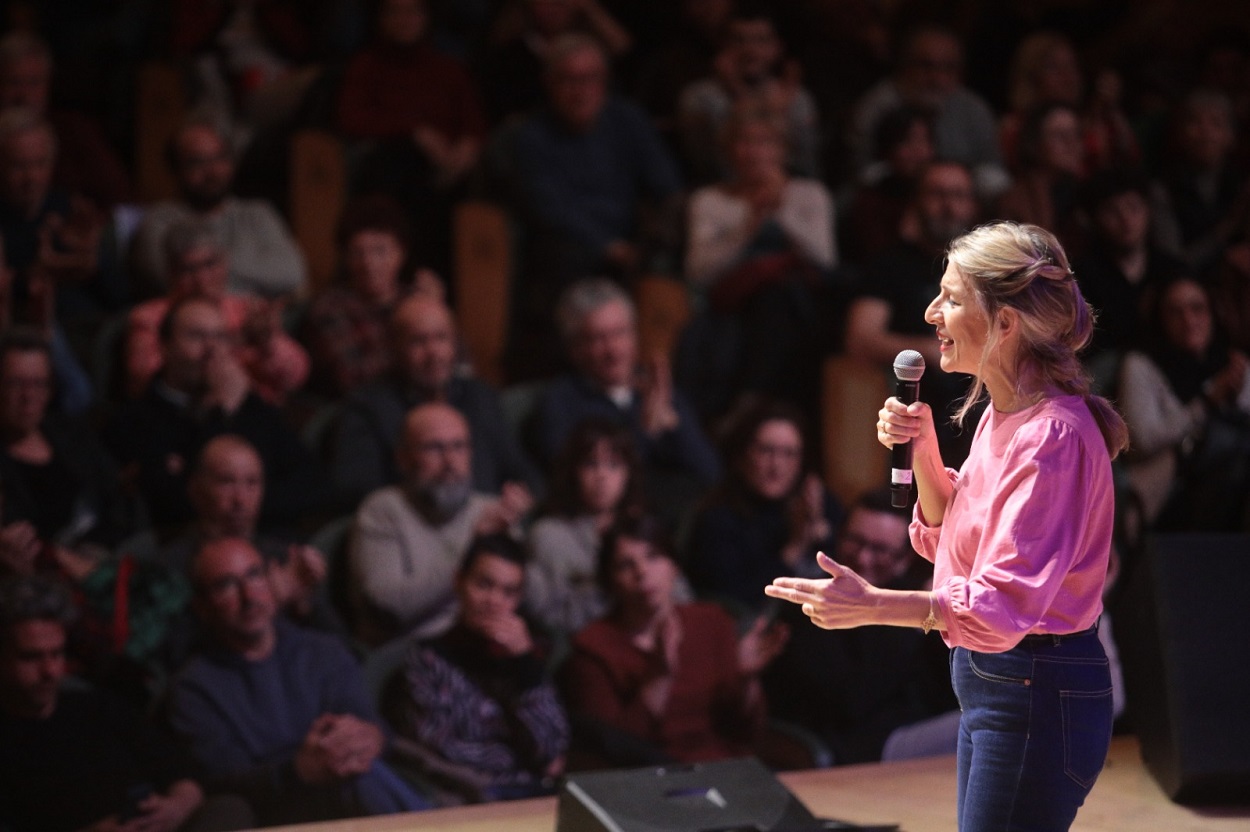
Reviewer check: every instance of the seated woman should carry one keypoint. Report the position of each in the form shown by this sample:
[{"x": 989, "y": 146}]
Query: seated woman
[
  {"x": 655, "y": 680},
  {"x": 480, "y": 708},
  {"x": 1052, "y": 166},
  {"x": 597, "y": 482},
  {"x": 199, "y": 265},
  {"x": 345, "y": 326},
  {"x": 57, "y": 479},
  {"x": 770, "y": 514},
  {"x": 759, "y": 250},
  {"x": 1186, "y": 399}
]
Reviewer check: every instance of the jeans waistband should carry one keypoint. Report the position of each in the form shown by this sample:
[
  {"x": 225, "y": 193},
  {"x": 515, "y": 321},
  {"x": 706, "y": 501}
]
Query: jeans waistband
[{"x": 1059, "y": 638}]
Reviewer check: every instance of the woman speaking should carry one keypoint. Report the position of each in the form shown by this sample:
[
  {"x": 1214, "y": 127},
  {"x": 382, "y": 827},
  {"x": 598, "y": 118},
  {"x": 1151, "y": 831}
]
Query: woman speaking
[{"x": 1020, "y": 536}]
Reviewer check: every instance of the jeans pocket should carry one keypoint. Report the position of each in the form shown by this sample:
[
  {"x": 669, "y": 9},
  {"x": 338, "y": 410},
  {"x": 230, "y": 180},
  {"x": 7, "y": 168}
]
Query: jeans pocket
[
  {"x": 1010, "y": 668},
  {"x": 1087, "y": 717}
]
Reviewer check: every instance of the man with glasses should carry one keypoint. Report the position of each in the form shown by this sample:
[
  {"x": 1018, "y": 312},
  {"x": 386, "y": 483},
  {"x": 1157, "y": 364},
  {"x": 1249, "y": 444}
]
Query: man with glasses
[
  {"x": 857, "y": 688},
  {"x": 278, "y": 714},
  {"x": 409, "y": 538}
]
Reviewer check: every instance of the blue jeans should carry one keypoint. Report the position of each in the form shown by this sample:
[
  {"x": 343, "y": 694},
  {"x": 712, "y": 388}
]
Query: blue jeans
[{"x": 1034, "y": 734}]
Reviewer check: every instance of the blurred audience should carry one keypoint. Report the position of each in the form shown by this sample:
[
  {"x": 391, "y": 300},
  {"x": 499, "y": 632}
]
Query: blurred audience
[
  {"x": 86, "y": 161},
  {"x": 345, "y": 324},
  {"x": 76, "y": 757},
  {"x": 769, "y": 515},
  {"x": 888, "y": 315},
  {"x": 424, "y": 368},
  {"x": 1201, "y": 201},
  {"x": 199, "y": 266},
  {"x": 929, "y": 76},
  {"x": 611, "y": 380},
  {"x": 479, "y": 700},
  {"x": 1046, "y": 70},
  {"x": 760, "y": 251},
  {"x": 655, "y": 680},
  {"x": 1047, "y": 182},
  {"x": 856, "y": 688},
  {"x": 264, "y": 257},
  {"x": 203, "y": 390},
  {"x": 409, "y": 539},
  {"x": 525, "y": 36},
  {"x": 57, "y": 478},
  {"x": 1186, "y": 399},
  {"x": 751, "y": 71},
  {"x": 275, "y": 713},
  {"x": 597, "y": 482},
  {"x": 595, "y": 191}
]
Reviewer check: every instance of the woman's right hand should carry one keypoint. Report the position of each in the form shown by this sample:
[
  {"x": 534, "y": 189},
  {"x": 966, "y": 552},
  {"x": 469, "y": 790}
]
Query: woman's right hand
[{"x": 898, "y": 423}]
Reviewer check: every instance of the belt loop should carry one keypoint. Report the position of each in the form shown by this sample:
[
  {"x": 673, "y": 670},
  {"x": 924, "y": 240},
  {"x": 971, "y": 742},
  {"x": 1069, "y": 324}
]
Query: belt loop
[{"x": 1056, "y": 639}]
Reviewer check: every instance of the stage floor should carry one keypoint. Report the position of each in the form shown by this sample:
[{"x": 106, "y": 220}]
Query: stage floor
[{"x": 917, "y": 794}]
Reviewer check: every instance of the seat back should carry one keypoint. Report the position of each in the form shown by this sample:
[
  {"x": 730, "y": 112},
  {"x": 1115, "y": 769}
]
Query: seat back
[
  {"x": 318, "y": 192},
  {"x": 852, "y": 391},
  {"x": 160, "y": 106},
  {"x": 482, "y": 252}
]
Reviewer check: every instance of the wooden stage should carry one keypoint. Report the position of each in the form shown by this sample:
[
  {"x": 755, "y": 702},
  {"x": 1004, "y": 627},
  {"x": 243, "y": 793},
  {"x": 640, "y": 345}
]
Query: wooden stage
[{"x": 917, "y": 794}]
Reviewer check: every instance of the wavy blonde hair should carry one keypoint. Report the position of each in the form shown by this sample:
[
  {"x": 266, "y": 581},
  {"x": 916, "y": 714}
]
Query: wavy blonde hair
[{"x": 1023, "y": 267}]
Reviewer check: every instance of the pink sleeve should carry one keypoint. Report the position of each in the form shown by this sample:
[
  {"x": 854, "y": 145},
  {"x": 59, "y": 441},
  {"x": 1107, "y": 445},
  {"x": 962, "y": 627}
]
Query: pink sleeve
[
  {"x": 1036, "y": 530},
  {"x": 924, "y": 537}
]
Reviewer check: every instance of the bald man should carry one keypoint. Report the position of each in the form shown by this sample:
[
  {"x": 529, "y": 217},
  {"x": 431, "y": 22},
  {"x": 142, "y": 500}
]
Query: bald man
[
  {"x": 276, "y": 713},
  {"x": 409, "y": 538},
  {"x": 424, "y": 369}
]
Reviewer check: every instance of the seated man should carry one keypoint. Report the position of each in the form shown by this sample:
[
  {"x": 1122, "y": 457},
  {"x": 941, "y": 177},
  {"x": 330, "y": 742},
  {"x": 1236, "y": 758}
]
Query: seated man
[
  {"x": 201, "y": 391},
  {"x": 409, "y": 539},
  {"x": 264, "y": 257},
  {"x": 480, "y": 706},
  {"x": 226, "y": 489},
  {"x": 423, "y": 362},
  {"x": 856, "y": 688},
  {"x": 79, "y": 758},
  {"x": 597, "y": 320},
  {"x": 276, "y": 713}
]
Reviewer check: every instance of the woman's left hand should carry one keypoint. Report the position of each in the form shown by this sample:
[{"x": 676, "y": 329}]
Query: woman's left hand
[{"x": 841, "y": 601}]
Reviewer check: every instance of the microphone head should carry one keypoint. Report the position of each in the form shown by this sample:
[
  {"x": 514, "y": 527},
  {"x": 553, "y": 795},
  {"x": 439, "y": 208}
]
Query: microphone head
[{"x": 908, "y": 366}]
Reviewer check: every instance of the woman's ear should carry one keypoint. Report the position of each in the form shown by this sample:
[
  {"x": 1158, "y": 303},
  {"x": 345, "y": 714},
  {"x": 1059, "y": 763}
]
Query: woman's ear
[{"x": 1008, "y": 321}]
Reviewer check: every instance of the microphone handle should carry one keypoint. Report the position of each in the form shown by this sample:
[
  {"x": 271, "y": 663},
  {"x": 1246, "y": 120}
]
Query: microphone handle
[{"x": 901, "y": 455}]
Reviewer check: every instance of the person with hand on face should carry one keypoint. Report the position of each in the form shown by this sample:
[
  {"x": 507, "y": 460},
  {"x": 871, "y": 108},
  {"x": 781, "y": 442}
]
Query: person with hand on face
[
  {"x": 1020, "y": 536},
  {"x": 656, "y": 680},
  {"x": 199, "y": 265},
  {"x": 278, "y": 714},
  {"x": 479, "y": 699},
  {"x": 409, "y": 539},
  {"x": 203, "y": 390}
]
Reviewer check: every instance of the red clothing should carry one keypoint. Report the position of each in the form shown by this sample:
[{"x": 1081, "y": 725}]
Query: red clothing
[
  {"x": 713, "y": 712},
  {"x": 388, "y": 90}
]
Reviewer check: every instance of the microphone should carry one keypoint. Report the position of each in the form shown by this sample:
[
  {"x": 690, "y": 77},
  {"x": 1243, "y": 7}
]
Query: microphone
[{"x": 908, "y": 368}]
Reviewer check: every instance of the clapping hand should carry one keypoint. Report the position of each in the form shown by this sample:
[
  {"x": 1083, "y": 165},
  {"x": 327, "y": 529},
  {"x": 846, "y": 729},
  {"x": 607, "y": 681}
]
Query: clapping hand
[{"x": 761, "y": 644}]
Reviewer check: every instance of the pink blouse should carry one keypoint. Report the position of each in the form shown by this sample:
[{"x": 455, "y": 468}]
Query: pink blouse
[{"x": 1026, "y": 538}]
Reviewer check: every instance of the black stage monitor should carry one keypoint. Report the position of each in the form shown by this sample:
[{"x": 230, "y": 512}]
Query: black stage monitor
[{"x": 739, "y": 795}]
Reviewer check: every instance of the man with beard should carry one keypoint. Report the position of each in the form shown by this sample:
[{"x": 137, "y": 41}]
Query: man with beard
[
  {"x": 275, "y": 713},
  {"x": 264, "y": 257},
  {"x": 409, "y": 539},
  {"x": 888, "y": 315}
]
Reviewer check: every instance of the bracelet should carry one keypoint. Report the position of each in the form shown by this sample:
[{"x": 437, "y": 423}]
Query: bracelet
[{"x": 931, "y": 620}]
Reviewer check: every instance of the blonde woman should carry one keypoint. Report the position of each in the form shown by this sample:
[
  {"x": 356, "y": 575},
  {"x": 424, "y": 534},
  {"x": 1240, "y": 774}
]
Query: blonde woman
[{"x": 1020, "y": 536}]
